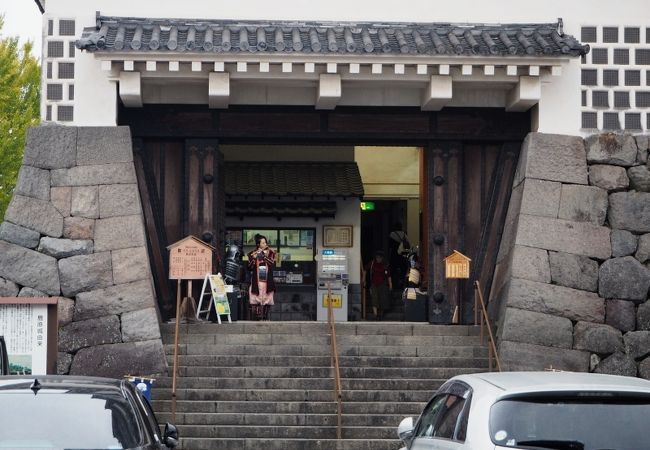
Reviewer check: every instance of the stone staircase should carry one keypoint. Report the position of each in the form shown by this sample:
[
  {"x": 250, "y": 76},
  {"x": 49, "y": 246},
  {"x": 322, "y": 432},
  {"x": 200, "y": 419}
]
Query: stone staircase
[{"x": 269, "y": 385}]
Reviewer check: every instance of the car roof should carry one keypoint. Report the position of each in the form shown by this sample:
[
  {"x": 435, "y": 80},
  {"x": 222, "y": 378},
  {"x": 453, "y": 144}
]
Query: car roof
[
  {"x": 522, "y": 382},
  {"x": 59, "y": 382}
]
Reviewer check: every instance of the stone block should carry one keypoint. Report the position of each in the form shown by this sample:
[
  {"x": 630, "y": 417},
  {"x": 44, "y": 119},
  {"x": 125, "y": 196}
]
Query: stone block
[
  {"x": 555, "y": 300},
  {"x": 65, "y": 310},
  {"x": 37, "y": 215},
  {"x": 51, "y": 147},
  {"x": 30, "y": 292},
  {"x": 541, "y": 198},
  {"x": 536, "y": 328},
  {"x": 85, "y": 202},
  {"x": 119, "y": 173},
  {"x": 552, "y": 157},
  {"x": 579, "y": 238},
  {"x": 103, "y": 145},
  {"x": 117, "y": 299},
  {"x": 643, "y": 250},
  {"x": 643, "y": 316},
  {"x": 618, "y": 364},
  {"x": 642, "y": 148},
  {"x": 61, "y": 198},
  {"x": 140, "y": 325},
  {"x": 644, "y": 369},
  {"x": 115, "y": 360},
  {"x": 78, "y": 228},
  {"x": 629, "y": 211},
  {"x": 63, "y": 361},
  {"x": 119, "y": 200},
  {"x": 131, "y": 264},
  {"x": 89, "y": 333},
  {"x": 597, "y": 338},
  {"x": 29, "y": 268},
  {"x": 33, "y": 182},
  {"x": 624, "y": 243},
  {"x": 520, "y": 356},
  {"x": 64, "y": 248},
  {"x": 8, "y": 288},
  {"x": 530, "y": 264},
  {"x": 610, "y": 148},
  {"x": 19, "y": 235},
  {"x": 511, "y": 223},
  {"x": 610, "y": 178},
  {"x": 637, "y": 344},
  {"x": 624, "y": 278},
  {"x": 574, "y": 271},
  {"x": 639, "y": 178},
  {"x": 115, "y": 233},
  {"x": 85, "y": 273},
  {"x": 621, "y": 314},
  {"x": 583, "y": 204}
]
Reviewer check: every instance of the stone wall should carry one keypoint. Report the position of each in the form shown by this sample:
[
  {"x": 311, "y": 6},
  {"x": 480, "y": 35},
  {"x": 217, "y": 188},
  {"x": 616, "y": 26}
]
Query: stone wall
[
  {"x": 571, "y": 284},
  {"x": 74, "y": 229}
]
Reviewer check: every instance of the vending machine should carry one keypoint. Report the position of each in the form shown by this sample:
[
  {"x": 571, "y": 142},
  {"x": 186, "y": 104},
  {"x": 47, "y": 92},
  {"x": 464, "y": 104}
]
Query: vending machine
[{"x": 332, "y": 284}]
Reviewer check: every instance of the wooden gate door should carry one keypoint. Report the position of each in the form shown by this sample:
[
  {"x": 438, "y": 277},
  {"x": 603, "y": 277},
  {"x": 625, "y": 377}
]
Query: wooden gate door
[{"x": 467, "y": 189}]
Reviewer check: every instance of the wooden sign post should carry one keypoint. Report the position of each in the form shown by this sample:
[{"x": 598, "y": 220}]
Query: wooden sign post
[
  {"x": 189, "y": 259},
  {"x": 457, "y": 267}
]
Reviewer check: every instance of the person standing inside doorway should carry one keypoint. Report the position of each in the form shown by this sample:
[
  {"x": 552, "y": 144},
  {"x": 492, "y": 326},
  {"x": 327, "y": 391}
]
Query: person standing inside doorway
[
  {"x": 261, "y": 263},
  {"x": 378, "y": 275},
  {"x": 398, "y": 245}
]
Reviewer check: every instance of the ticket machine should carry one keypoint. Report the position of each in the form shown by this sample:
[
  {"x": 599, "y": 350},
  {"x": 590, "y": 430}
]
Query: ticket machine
[{"x": 333, "y": 277}]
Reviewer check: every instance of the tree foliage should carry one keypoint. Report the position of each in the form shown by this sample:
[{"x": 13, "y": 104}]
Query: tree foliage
[{"x": 20, "y": 77}]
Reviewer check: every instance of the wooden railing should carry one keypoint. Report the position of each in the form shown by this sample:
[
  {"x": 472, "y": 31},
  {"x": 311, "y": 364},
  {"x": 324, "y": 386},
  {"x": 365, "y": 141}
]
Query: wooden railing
[
  {"x": 335, "y": 363},
  {"x": 484, "y": 322}
]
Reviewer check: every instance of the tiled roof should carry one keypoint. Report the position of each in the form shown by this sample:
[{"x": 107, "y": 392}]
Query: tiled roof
[
  {"x": 121, "y": 34},
  {"x": 281, "y": 209},
  {"x": 293, "y": 179}
]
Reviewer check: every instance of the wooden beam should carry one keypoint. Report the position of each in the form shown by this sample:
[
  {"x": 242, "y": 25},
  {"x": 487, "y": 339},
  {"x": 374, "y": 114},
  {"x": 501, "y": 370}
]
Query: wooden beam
[
  {"x": 219, "y": 89},
  {"x": 437, "y": 93},
  {"x": 329, "y": 91},
  {"x": 131, "y": 89},
  {"x": 526, "y": 93}
]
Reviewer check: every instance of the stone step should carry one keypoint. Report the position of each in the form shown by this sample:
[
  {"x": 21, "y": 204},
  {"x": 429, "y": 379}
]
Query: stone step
[
  {"x": 379, "y": 383},
  {"x": 288, "y": 444},
  {"x": 263, "y": 419},
  {"x": 281, "y": 407},
  {"x": 284, "y": 432},
  {"x": 325, "y": 361},
  {"x": 294, "y": 395}
]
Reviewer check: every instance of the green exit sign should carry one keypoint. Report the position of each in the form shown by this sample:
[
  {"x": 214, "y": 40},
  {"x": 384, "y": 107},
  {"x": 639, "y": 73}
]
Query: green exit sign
[{"x": 367, "y": 206}]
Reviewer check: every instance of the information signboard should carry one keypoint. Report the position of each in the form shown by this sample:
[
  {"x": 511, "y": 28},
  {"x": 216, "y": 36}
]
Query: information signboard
[{"x": 190, "y": 259}]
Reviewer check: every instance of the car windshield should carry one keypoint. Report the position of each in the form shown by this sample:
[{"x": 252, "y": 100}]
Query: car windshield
[
  {"x": 577, "y": 421},
  {"x": 60, "y": 419}
]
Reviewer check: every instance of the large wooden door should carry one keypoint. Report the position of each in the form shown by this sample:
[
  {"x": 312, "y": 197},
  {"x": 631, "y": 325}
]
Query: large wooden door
[{"x": 467, "y": 190}]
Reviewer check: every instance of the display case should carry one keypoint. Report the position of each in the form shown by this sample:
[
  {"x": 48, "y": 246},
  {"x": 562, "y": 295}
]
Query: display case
[{"x": 295, "y": 249}]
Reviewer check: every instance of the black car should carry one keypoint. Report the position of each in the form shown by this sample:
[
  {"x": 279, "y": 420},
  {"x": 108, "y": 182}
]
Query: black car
[{"x": 66, "y": 412}]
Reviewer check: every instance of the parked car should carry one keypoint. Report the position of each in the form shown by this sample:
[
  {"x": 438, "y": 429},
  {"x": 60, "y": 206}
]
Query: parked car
[
  {"x": 65, "y": 412},
  {"x": 533, "y": 410},
  {"x": 4, "y": 358}
]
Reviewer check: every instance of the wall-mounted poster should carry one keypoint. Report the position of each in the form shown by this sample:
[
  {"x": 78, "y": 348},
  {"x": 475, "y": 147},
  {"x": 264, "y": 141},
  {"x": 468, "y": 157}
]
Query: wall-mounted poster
[
  {"x": 337, "y": 235},
  {"x": 24, "y": 327}
]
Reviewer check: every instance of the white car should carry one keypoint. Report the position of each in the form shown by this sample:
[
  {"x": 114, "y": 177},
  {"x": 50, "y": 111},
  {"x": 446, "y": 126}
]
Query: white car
[{"x": 533, "y": 410}]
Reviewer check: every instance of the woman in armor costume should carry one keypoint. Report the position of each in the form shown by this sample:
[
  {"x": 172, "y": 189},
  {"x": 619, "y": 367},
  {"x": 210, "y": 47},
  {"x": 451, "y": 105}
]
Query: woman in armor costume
[{"x": 261, "y": 263}]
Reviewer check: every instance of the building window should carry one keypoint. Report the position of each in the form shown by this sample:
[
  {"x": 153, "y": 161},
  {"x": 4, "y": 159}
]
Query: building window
[
  {"x": 71, "y": 50},
  {"x": 621, "y": 99},
  {"x": 66, "y": 70},
  {"x": 647, "y": 37},
  {"x": 66, "y": 28},
  {"x": 584, "y": 98},
  {"x": 55, "y": 49},
  {"x": 632, "y": 121},
  {"x": 54, "y": 92},
  {"x": 600, "y": 99},
  {"x": 589, "y": 120},
  {"x": 632, "y": 35},
  {"x": 599, "y": 56},
  {"x": 610, "y": 77},
  {"x": 65, "y": 114},
  {"x": 642, "y": 57},
  {"x": 71, "y": 92},
  {"x": 49, "y": 70},
  {"x": 643, "y": 99},
  {"x": 588, "y": 34},
  {"x": 621, "y": 56},
  {"x": 610, "y": 34},
  {"x": 50, "y": 27},
  {"x": 589, "y": 77},
  {"x": 48, "y": 112},
  {"x": 632, "y": 78},
  {"x": 611, "y": 122}
]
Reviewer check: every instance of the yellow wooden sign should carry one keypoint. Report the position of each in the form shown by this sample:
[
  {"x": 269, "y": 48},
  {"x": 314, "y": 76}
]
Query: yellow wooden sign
[
  {"x": 457, "y": 265},
  {"x": 337, "y": 300}
]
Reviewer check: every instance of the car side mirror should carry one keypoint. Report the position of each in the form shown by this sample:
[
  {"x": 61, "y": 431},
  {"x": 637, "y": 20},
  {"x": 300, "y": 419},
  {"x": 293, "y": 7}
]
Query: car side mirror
[
  {"x": 405, "y": 429},
  {"x": 170, "y": 437}
]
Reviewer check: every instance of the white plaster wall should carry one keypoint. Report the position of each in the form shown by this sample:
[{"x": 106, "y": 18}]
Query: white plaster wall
[{"x": 558, "y": 112}]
